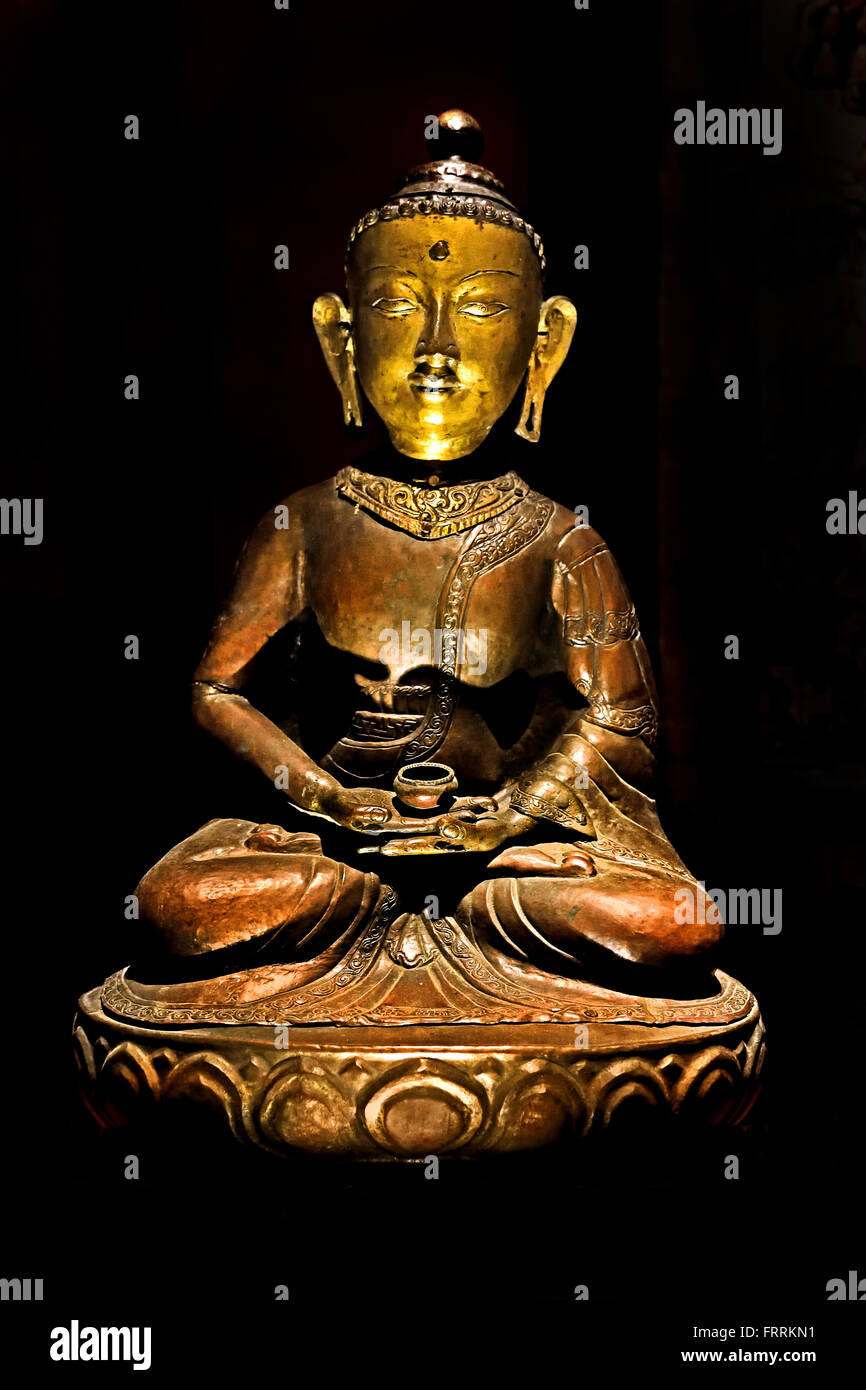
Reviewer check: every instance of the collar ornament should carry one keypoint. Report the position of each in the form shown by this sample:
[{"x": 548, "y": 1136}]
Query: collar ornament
[{"x": 431, "y": 512}]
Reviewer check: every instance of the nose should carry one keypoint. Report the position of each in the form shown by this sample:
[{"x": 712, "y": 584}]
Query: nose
[{"x": 437, "y": 337}]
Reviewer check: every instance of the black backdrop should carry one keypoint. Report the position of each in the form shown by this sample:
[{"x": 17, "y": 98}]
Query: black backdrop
[{"x": 155, "y": 257}]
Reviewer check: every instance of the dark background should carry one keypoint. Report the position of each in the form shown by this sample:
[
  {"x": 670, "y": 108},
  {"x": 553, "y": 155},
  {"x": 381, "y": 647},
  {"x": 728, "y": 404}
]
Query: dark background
[{"x": 155, "y": 257}]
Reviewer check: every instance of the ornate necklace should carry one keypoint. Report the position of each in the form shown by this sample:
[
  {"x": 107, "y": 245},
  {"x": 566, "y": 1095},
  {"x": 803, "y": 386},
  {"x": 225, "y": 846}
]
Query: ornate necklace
[{"x": 431, "y": 512}]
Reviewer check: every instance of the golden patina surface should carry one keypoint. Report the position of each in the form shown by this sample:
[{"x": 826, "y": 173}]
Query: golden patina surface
[{"x": 432, "y": 509}]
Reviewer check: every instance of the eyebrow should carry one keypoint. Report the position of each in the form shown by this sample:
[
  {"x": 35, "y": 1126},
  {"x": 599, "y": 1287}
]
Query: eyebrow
[
  {"x": 399, "y": 268},
  {"x": 475, "y": 274}
]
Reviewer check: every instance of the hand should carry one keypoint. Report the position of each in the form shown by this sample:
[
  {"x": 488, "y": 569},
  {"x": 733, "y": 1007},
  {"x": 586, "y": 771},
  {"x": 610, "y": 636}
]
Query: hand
[
  {"x": 453, "y": 833},
  {"x": 369, "y": 810},
  {"x": 375, "y": 812}
]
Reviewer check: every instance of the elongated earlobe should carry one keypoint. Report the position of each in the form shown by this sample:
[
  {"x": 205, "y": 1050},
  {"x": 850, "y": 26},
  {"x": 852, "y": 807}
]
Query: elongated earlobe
[
  {"x": 333, "y": 325},
  {"x": 555, "y": 331}
]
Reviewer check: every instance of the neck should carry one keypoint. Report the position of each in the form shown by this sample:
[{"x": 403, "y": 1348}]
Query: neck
[{"x": 490, "y": 460}]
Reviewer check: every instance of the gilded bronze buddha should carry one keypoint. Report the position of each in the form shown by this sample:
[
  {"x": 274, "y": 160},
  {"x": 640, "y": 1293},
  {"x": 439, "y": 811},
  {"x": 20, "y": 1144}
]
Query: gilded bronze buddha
[{"x": 466, "y": 761}]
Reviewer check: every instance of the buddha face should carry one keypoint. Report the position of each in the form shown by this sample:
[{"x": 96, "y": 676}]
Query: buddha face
[{"x": 445, "y": 317}]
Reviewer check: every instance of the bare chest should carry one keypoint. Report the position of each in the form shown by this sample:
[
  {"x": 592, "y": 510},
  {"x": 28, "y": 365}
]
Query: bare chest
[{"x": 388, "y": 597}]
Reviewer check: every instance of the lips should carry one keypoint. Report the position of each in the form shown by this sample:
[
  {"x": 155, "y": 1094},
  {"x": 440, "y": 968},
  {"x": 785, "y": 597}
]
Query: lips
[{"x": 433, "y": 384}]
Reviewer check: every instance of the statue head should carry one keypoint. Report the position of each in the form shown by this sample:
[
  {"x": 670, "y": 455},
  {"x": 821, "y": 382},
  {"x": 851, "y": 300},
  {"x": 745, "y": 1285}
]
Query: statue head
[{"x": 446, "y": 312}]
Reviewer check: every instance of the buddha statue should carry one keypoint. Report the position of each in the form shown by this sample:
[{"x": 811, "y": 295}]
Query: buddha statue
[{"x": 462, "y": 739}]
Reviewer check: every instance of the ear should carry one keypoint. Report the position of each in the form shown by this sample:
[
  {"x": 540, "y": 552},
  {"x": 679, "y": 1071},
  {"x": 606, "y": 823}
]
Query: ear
[
  {"x": 333, "y": 325},
  {"x": 555, "y": 332}
]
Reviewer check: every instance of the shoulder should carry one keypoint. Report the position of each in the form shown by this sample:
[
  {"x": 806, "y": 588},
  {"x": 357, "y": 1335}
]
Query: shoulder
[
  {"x": 285, "y": 528},
  {"x": 298, "y": 509},
  {"x": 580, "y": 544},
  {"x": 586, "y": 573},
  {"x": 569, "y": 538}
]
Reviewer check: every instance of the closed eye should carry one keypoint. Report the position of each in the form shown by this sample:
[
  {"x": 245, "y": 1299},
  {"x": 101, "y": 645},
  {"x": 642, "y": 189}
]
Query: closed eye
[
  {"x": 394, "y": 308},
  {"x": 483, "y": 308}
]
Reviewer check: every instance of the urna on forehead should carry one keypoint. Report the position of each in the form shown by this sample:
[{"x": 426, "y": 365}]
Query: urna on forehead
[
  {"x": 448, "y": 204},
  {"x": 442, "y": 250}
]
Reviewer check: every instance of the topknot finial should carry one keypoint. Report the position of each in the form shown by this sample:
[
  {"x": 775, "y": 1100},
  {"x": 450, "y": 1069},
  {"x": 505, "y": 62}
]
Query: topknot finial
[{"x": 460, "y": 136}]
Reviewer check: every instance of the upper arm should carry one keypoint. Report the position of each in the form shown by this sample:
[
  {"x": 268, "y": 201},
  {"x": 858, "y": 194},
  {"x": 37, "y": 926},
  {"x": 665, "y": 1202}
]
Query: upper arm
[
  {"x": 267, "y": 592},
  {"x": 603, "y": 652}
]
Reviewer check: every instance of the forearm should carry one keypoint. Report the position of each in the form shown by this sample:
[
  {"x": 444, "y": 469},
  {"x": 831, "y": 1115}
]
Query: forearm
[
  {"x": 629, "y": 754},
  {"x": 550, "y": 789},
  {"x": 252, "y": 736}
]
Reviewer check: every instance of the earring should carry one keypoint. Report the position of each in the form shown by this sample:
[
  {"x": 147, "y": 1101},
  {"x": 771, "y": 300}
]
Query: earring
[
  {"x": 333, "y": 327},
  {"x": 555, "y": 332},
  {"x": 533, "y": 403},
  {"x": 348, "y": 385}
]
